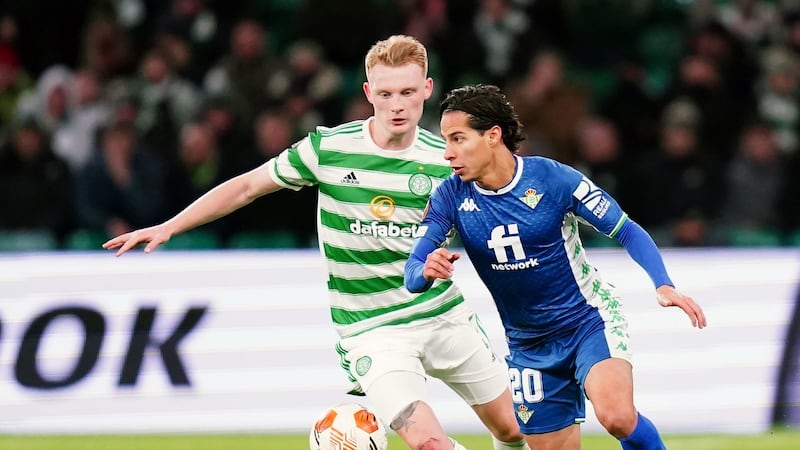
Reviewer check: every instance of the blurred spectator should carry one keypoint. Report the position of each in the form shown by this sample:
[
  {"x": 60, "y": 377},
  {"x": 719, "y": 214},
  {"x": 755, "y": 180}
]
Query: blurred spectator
[
  {"x": 192, "y": 37},
  {"x": 753, "y": 180},
  {"x": 231, "y": 135},
  {"x": 107, "y": 50},
  {"x": 165, "y": 102},
  {"x": 242, "y": 76},
  {"x": 123, "y": 186},
  {"x": 632, "y": 109},
  {"x": 273, "y": 134},
  {"x": 48, "y": 104},
  {"x": 424, "y": 19},
  {"x": 74, "y": 141},
  {"x": 358, "y": 108},
  {"x": 778, "y": 97},
  {"x": 550, "y": 107},
  {"x": 718, "y": 77},
  {"x": 14, "y": 82},
  {"x": 35, "y": 184},
  {"x": 600, "y": 155},
  {"x": 199, "y": 160},
  {"x": 791, "y": 32},
  {"x": 677, "y": 186},
  {"x": 503, "y": 32},
  {"x": 753, "y": 22},
  {"x": 309, "y": 86}
]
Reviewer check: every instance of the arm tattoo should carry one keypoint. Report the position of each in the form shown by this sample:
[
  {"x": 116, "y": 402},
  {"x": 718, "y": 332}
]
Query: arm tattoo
[{"x": 402, "y": 418}]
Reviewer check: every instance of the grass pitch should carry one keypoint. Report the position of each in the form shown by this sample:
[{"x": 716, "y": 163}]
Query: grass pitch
[{"x": 776, "y": 440}]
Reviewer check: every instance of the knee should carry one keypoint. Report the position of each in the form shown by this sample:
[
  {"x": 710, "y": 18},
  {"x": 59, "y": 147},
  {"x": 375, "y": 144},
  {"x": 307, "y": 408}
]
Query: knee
[
  {"x": 507, "y": 432},
  {"x": 619, "y": 422}
]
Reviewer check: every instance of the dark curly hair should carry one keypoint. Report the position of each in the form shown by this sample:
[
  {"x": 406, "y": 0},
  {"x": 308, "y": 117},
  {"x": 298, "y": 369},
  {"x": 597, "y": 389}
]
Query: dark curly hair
[{"x": 486, "y": 106}]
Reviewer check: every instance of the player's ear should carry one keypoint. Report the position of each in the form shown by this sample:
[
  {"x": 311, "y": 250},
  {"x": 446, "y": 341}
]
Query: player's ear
[
  {"x": 495, "y": 135},
  {"x": 428, "y": 88},
  {"x": 367, "y": 91}
]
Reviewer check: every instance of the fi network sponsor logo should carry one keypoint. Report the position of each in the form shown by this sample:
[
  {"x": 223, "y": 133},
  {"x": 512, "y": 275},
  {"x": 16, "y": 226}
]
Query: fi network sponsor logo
[{"x": 504, "y": 237}]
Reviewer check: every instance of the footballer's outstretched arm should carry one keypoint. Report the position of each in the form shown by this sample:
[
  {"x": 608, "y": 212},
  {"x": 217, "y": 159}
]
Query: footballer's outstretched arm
[{"x": 218, "y": 202}]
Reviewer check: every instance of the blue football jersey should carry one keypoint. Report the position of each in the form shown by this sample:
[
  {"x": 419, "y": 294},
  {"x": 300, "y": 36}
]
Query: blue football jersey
[{"x": 524, "y": 243}]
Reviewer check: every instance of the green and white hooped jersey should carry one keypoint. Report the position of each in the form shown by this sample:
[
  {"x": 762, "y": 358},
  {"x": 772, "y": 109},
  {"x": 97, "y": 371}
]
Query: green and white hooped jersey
[{"x": 370, "y": 202}]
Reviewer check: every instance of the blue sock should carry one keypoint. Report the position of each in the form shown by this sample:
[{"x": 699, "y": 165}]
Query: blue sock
[{"x": 644, "y": 437}]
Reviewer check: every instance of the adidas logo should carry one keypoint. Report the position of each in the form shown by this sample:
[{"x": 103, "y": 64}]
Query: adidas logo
[
  {"x": 350, "y": 178},
  {"x": 468, "y": 205}
]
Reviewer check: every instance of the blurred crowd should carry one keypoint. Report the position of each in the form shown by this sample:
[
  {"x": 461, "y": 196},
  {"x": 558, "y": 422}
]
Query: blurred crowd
[{"x": 115, "y": 114}]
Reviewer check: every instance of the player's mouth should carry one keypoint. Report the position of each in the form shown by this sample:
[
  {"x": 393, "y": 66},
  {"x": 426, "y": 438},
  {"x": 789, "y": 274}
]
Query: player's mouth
[
  {"x": 458, "y": 170},
  {"x": 398, "y": 121}
]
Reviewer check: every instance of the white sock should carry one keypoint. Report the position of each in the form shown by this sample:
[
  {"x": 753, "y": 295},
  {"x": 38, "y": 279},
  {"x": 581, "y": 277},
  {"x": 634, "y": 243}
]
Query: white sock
[
  {"x": 518, "y": 445},
  {"x": 456, "y": 445}
]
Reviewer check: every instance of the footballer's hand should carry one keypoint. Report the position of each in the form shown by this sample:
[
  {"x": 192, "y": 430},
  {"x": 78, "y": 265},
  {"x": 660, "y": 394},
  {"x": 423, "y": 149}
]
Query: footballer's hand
[
  {"x": 669, "y": 296},
  {"x": 439, "y": 264},
  {"x": 153, "y": 236}
]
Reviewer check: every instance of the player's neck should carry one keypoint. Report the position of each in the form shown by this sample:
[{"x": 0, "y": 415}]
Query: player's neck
[
  {"x": 499, "y": 172},
  {"x": 388, "y": 141}
]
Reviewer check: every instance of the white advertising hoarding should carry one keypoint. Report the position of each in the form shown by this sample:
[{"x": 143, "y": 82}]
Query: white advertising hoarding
[{"x": 241, "y": 341}]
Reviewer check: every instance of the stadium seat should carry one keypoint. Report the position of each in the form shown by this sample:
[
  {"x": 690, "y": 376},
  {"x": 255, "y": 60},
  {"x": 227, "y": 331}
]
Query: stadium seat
[
  {"x": 264, "y": 240},
  {"x": 793, "y": 238},
  {"x": 85, "y": 240},
  {"x": 754, "y": 238},
  {"x": 193, "y": 240},
  {"x": 27, "y": 240}
]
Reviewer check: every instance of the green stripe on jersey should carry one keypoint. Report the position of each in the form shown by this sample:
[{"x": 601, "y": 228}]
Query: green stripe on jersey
[
  {"x": 343, "y": 316},
  {"x": 439, "y": 310},
  {"x": 364, "y": 195},
  {"x": 365, "y": 257},
  {"x": 379, "y": 163},
  {"x": 374, "y": 285},
  {"x": 297, "y": 163}
]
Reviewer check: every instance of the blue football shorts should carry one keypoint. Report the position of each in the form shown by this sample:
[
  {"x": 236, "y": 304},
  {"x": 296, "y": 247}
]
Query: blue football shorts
[{"x": 546, "y": 378}]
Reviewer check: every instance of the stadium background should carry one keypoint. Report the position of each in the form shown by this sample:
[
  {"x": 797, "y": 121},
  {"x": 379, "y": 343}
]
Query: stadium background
[{"x": 687, "y": 111}]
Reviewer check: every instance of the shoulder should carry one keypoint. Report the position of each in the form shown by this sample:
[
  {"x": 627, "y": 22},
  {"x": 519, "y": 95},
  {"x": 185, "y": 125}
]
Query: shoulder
[
  {"x": 337, "y": 136},
  {"x": 428, "y": 137},
  {"x": 347, "y": 128}
]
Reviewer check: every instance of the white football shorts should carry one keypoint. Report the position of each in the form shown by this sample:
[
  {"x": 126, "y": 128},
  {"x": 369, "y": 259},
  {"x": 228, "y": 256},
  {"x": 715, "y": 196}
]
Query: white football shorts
[{"x": 451, "y": 347}]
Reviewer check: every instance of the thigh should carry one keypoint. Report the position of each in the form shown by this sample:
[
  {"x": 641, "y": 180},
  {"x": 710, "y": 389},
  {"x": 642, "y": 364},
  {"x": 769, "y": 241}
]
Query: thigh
[
  {"x": 371, "y": 355},
  {"x": 598, "y": 341},
  {"x": 460, "y": 355},
  {"x": 546, "y": 396}
]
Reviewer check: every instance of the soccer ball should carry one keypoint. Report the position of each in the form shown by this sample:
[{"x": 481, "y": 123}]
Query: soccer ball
[{"x": 348, "y": 426}]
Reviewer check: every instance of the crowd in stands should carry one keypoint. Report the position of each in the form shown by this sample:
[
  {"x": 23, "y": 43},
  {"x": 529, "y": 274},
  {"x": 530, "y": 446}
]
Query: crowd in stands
[{"x": 115, "y": 114}]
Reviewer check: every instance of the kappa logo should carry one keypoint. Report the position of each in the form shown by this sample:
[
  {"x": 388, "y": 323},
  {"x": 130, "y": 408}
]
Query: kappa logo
[
  {"x": 350, "y": 178},
  {"x": 468, "y": 205}
]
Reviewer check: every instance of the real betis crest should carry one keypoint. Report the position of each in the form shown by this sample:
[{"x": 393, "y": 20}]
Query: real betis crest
[
  {"x": 531, "y": 198},
  {"x": 524, "y": 413}
]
